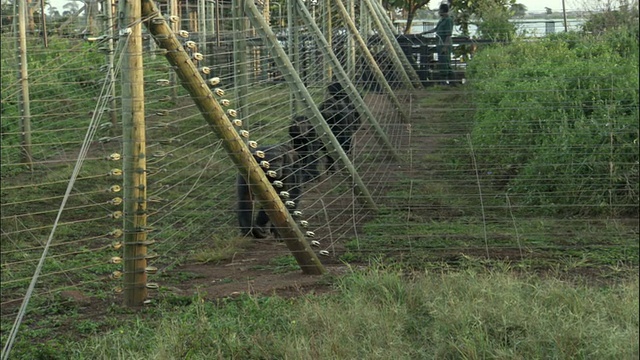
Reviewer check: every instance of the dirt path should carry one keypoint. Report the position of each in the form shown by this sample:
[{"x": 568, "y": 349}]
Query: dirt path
[{"x": 250, "y": 272}]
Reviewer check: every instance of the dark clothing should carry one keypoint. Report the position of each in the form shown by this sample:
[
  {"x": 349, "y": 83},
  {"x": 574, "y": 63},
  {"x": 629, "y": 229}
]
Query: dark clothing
[
  {"x": 444, "y": 28},
  {"x": 444, "y": 31}
]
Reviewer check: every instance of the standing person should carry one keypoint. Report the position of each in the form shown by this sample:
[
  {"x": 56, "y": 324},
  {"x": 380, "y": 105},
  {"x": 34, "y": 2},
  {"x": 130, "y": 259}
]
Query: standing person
[{"x": 443, "y": 31}]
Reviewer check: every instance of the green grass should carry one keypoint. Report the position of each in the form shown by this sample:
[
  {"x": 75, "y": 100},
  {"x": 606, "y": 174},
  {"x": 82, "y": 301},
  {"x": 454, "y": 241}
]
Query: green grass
[
  {"x": 452, "y": 212},
  {"x": 382, "y": 313},
  {"x": 281, "y": 264},
  {"x": 222, "y": 249},
  {"x": 413, "y": 237},
  {"x": 559, "y": 120}
]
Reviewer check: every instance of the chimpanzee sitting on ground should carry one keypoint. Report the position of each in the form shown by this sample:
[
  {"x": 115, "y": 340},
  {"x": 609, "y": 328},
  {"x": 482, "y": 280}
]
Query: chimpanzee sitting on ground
[
  {"x": 289, "y": 168},
  {"x": 342, "y": 117}
]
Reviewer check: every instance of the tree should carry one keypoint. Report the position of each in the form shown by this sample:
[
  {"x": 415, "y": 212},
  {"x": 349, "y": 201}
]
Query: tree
[
  {"x": 608, "y": 18},
  {"x": 91, "y": 11},
  {"x": 7, "y": 15},
  {"x": 495, "y": 22},
  {"x": 519, "y": 10},
  {"x": 32, "y": 5},
  {"x": 410, "y": 7},
  {"x": 468, "y": 12},
  {"x": 53, "y": 12},
  {"x": 70, "y": 8},
  {"x": 34, "y": 11}
]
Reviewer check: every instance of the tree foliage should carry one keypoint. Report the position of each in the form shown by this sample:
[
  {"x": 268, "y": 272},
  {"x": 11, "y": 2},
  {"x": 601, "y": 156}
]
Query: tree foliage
[
  {"x": 495, "y": 24},
  {"x": 496, "y": 12},
  {"x": 409, "y": 7},
  {"x": 625, "y": 17},
  {"x": 519, "y": 10},
  {"x": 557, "y": 121}
]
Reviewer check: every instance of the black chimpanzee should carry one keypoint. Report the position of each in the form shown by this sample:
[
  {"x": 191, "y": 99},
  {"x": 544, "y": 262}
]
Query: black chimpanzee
[
  {"x": 289, "y": 168},
  {"x": 341, "y": 116},
  {"x": 386, "y": 66},
  {"x": 307, "y": 145}
]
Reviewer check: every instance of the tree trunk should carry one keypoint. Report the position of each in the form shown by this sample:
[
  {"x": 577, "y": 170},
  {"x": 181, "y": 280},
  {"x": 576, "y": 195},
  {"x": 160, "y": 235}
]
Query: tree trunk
[
  {"x": 31, "y": 9},
  {"x": 407, "y": 27}
]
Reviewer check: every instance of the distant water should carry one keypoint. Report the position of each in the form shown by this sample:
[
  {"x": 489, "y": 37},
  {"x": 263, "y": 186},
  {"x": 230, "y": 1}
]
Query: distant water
[{"x": 525, "y": 27}]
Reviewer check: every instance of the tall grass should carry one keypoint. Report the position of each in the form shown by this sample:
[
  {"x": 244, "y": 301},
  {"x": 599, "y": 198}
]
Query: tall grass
[
  {"x": 558, "y": 118},
  {"x": 385, "y": 314}
]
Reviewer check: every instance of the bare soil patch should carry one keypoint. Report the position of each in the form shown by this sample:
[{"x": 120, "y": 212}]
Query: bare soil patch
[{"x": 250, "y": 272}]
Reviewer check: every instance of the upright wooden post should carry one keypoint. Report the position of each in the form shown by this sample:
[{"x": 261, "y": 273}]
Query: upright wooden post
[
  {"x": 564, "y": 16},
  {"x": 328, "y": 33},
  {"x": 43, "y": 25},
  {"x": 108, "y": 4},
  {"x": 23, "y": 75},
  {"x": 202, "y": 28},
  {"x": 240, "y": 66},
  {"x": 134, "y": 167},
  {"x": 351, "y": 48},
  {"x": 175, "y": 27}
]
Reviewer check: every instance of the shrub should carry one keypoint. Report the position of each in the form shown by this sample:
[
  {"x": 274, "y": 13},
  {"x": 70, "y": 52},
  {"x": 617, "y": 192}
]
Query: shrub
[{"x": 559, "y": 119}]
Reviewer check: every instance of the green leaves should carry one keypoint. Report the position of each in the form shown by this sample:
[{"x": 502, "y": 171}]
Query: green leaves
[{"x": 564, "y": 126}]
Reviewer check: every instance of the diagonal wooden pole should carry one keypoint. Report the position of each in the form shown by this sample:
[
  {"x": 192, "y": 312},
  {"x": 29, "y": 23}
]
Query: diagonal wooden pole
[
  {"x": 391, "y": 44},
  {"x": 377, "y": 73},
  {"x": 344, "y": 80},
  {"x": 397, "y": 60},
  {"x": 294, "y": 81},
  {"x": 232, "y": 142}
]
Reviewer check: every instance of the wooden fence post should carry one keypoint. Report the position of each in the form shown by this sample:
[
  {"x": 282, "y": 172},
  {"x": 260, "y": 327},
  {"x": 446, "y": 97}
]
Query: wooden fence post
[
  {"x": 23, "y": 76},
  {"x": 134, "y": 167}
]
